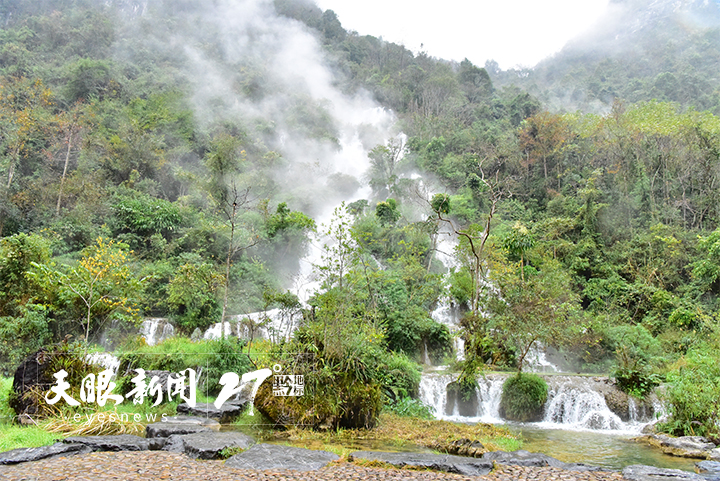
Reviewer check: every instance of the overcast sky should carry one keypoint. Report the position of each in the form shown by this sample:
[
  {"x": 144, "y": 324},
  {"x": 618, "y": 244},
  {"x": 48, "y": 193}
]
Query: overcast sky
[{"x": 512, "y": 32}]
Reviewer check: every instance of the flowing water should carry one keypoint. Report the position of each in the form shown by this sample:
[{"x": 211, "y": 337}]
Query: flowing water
[{"x": 578, "y": 426}]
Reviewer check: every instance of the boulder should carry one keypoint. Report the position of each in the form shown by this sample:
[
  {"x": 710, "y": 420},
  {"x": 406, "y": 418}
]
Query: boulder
[
  {"x": 639, "y": 472},
  {"x": 710, "y": 470},
  {"x": 121, "y": 442},
  {"x": 685, "y": 446},
  {"x": 180, "y": 425},
  {"x": 272, "y": 456},
  {"x": 465, "y": 447},
  {"x": 526, "y": 458},
  {"x": 206, "y": 445},
  {"x": 226, "y": 414},
  {"x": 438, "y": 462},
  {"x": 24, "y": 455},
  {"x": 30, "y": 380}
]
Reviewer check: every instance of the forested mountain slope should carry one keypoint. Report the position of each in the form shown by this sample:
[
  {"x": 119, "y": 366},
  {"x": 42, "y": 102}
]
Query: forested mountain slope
[{"x": 175, "y": 158}]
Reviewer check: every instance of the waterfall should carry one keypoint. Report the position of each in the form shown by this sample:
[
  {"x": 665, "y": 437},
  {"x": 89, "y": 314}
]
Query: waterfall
[
  {"x": 536, "y": 360},
  {"x": 274, "y": 324},
  {"x": 574, "y": 403},
  {"x": 152, "y": 325},
  {"x": 446, "y": 313},
  {"x": 433, "y": 392}
]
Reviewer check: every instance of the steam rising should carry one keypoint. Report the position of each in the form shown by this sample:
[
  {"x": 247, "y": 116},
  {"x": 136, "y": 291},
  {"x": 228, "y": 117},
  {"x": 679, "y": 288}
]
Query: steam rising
[{"x": 244, "y": 63}]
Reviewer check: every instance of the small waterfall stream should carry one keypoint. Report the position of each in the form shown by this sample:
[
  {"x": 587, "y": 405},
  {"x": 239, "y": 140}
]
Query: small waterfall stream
[{"x": 574, "y": 403}]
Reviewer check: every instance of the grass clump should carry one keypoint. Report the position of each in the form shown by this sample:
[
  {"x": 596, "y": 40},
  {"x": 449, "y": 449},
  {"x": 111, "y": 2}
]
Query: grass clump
[
  {"x": 93, "y": 424},
  {"x": 523, "y": 398}
]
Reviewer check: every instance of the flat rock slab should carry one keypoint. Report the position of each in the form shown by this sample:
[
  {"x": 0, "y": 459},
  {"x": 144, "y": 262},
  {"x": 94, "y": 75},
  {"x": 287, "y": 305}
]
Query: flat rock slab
[
  {"x": 227, "y": 412},
  {"x": 539, "y": 460},
  {"x": 684, "y": 446},
  {"x": 164, "y": 430},
  {"x": 639, "y": 472},
  {"x": 24, "y": 455},
  {"x": 121, "y": 442},
  {"x": 206, "y": 445},
  {"x": 710, "y": 470},
  {"x": 439, "y": 462},
  {"x": 272, "y": 456}
]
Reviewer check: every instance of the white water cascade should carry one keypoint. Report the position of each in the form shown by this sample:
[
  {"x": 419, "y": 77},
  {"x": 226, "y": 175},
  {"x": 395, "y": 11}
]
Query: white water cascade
[
  {"x": 446, "y": 312},
  {"x": 274, "y": 324},
  {"x": 574, "y": 403},
  {"x": 156, "y": 329}
]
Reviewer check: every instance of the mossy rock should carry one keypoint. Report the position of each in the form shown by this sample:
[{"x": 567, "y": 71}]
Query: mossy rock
[
  {"x": 523, "y": 398},
  {"x": 344, "y": 403}
]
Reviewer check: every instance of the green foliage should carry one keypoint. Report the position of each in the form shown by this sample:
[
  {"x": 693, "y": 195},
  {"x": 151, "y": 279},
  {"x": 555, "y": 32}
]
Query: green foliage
[
  {"x": 693, "y": 395},
  {"x": 411, "y": 408},
  {"x": 523, "y": 397},
  {"x": 17, "y": 437},
  {"x": 193, "y": 295},
  {"x": 144, "y": 215},
  {"x": 213, "y": 357},
  {"x": 22, "y": 335},
  {"x": 387, "y": 212},
  {"x": 638, "y": 357}
]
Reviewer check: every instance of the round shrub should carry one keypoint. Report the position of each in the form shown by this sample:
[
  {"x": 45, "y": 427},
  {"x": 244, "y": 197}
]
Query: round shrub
[{"x": 523, "y": 398}]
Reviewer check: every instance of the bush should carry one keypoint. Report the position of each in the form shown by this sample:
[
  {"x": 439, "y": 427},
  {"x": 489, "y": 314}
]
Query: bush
[
  {"x": 693, "y": 396},
  {"x": 636, "y": 350},
  {"x": 411, "y": 408},
  {"x": 523, "y": 398},
  {"x": 213, "y": 357}
]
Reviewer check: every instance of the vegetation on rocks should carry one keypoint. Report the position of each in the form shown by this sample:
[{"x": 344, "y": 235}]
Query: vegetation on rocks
[{"x": 523, "y": 397}]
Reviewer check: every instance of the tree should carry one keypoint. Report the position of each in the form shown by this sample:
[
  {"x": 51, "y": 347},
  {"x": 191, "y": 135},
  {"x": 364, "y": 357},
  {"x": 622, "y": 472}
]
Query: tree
[
  {"x": 539, "y": 308},
  {"x": 384, "y": 160},
  {"x": 102, "y": 281}
]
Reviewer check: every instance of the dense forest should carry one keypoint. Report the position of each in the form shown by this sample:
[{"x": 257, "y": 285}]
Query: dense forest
[{"x": 167, "y": 159}]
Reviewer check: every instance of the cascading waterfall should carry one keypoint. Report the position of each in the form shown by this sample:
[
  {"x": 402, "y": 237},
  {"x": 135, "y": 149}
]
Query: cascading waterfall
[
  {"x": 151, "y": 327},
  {"x": 574, "y": 403},
  {"x": 446, "y": 313},
  {"x": 274, "y": 324}
]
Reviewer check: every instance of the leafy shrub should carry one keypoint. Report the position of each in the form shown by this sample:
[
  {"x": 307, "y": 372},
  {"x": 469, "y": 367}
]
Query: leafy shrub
[
  {"x": 411, "y": 408},
  {"x": 693, "y": 395},
  {"x": 213, "y": 357},
  {"x": 523, "y": 397},
  {"x": 636, "y": 350}
]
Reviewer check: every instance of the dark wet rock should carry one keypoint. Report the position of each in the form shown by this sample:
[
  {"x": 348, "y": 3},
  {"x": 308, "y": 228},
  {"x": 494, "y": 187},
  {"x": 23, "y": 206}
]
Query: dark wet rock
[
  {"x": 226, "y": 414},
  {"x": 696, "y": 447},
  {"x": 206, "y": 445},
  {"x": 30, "y": 377},
  {"x": 180, "y": 425},
  {"x": 526, "y": 458},
  {"x": 639, "y": 472},
  {"x": 438, "y": 462},
  {"x": 121, "y": 442},
  {"x": 166, "y": 429},
  {"x": 157, "y": 444},
  {"x": 24, "y": 455},
  {"x": 272, "y": 456}
]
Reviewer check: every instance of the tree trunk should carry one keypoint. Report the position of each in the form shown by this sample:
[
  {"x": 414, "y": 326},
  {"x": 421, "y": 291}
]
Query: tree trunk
[{"x": 62, "y": 179}]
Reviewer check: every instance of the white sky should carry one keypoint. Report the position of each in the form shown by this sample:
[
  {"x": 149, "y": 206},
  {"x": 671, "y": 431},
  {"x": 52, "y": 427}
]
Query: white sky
[{"x": 512, "y": 32}]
